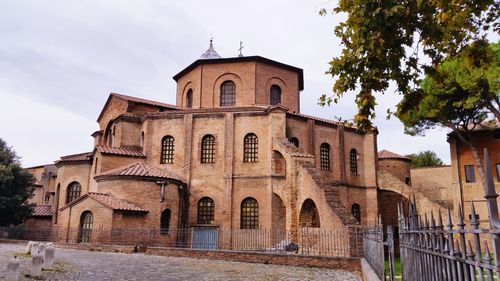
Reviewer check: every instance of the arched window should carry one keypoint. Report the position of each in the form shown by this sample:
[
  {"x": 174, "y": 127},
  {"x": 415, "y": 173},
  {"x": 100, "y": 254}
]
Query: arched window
[
  {"x": 275, "y": 94},
  {"x": 324, "y": 151},
  {"x": 249, "y": 213},
  {"x": 206, "y": 208},
  {"x": 250, "y": 148},
  {"x": 189, "y": 98},
  {"x": 353, "y": 161},
  {"x": 167, "y": 150},
  {"x": 228, "y": 94},
  {"x": 208, "y": 149},
  {"x": 73, "y": 192},
  {"x": 165, "y": 221},
  {"x": 356, "y": 212},
  {"x": 294, "y": 141},
  {"x": 86, "y": 223},
  {"x": 309, "y": 216}
]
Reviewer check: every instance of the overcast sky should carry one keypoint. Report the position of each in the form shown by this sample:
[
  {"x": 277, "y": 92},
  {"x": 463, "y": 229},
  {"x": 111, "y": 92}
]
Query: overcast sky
[{"x": 59, "y": 60}]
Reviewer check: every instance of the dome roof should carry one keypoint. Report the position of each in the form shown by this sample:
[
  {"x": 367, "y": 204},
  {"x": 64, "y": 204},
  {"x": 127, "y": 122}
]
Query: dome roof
[{"x": 210, "y": 53}]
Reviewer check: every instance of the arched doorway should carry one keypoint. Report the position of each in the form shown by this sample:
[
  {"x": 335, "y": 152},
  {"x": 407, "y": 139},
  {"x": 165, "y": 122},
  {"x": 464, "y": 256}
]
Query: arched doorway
[
  {"x": 86, "y": 224},
  {"x": 278, "y": 164},
  {"x": 309, "y": 216},
  {"x": 278, "y": 222}
]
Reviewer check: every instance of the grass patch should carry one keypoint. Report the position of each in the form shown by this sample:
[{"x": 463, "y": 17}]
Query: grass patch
[{"x": 397, "y": 268}]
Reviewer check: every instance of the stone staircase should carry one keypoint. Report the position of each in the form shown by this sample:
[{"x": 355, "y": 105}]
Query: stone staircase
[
  {"x": 331, "y": 189},
  {"x": 332, "y": 195}
]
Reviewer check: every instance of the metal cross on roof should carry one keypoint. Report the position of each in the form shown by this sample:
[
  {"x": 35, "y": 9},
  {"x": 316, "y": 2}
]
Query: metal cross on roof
[{"x": 240, "y": 49}]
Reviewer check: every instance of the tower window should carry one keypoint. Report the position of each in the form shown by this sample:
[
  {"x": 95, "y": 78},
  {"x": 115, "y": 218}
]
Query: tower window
[
  {"x": 228, "y": 94},
  {"x": 250, "y": 148},
  {"x": 275, "y": 94},
  {"x": 208, "y": 149},
  {"x": 294, "y": 141},
  {"x": 167, "y": 150},
  {"x": 189, "y": 98},
  {"x": 353, "y": 161},
  {"x": 324, "y": 151}
]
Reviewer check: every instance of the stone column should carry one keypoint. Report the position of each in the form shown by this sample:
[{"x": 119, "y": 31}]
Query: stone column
[
  {"x": 37, "y": 262},
  {"x": 12, "y": 269}
]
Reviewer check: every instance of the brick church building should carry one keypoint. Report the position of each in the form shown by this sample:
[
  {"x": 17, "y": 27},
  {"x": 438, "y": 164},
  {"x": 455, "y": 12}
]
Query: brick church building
[{"x": 233, "y": 153}]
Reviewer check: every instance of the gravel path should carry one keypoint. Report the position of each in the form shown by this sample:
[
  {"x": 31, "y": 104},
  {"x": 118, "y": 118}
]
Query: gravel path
[{"x": 97, "y": 266}]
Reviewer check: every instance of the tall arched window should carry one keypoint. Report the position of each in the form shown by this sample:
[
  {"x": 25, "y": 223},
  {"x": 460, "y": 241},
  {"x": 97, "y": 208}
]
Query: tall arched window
[
  {"x": 249, "y": 213},
  {"x": 324, "y": 151},
  {"x": 353, "y": 162},
  {"x": 206, "y": 209},
  {"x": 356, "y": 212},
  {"x": 165, "y": 221},
  {"x": 189, "y": 98},
  {"x": 167, "y": 150},
  {"x": 250, "y": 148},
  {"x": 275, "y": 94},
  {"x": 228, "y": 93},
  {"x": 86, "y": 223},
  {"x": 74, "y": 190},
  {"x": 294, "y": 141},
  {"x": 208, "y": 149}
]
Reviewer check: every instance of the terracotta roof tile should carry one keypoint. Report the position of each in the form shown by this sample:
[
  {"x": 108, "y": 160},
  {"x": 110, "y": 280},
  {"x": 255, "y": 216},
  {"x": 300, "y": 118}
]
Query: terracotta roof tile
[
  {"x": 145, "y": 101},
  {"x": 42, "y": 211},
  {"x": 302, "y": 155},
  {"x": 114, "y": 203},
  {"x": 386, "y": 154},
  {"x": 77, "y": 157},
  {"x": 140, "y": 170},
  {"x": 120, "y": 151},
  {"x": 108, "y": 201}
]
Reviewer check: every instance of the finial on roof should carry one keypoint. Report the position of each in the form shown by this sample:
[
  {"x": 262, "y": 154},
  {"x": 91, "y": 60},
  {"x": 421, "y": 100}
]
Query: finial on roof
[{"x": 210, "y": 53}]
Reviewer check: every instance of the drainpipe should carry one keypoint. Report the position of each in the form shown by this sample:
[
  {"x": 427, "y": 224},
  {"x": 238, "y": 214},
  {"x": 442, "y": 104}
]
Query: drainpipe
[
  {"x": 162, "y": 191},
  {"x": 457, "y": 147}
]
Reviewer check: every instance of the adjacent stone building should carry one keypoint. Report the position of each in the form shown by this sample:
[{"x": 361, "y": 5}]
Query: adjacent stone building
[
  {"x": 466, "y": 182},
  {"x": 233, "y": 153}
]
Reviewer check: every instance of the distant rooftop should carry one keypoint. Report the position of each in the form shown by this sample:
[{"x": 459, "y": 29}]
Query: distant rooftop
[{"x": 386, "y": 154}]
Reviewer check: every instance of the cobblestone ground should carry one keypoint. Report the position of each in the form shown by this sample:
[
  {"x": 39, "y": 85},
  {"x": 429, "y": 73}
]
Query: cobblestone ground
[{"x": 97, "y": 266}]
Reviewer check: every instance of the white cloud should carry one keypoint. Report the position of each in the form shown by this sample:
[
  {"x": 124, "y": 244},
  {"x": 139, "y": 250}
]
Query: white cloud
[{"x": 59, "y": 60}]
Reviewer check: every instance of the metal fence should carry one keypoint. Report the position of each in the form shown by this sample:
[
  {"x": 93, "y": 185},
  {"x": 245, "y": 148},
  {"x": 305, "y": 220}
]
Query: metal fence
[
  {"x": 305, "y": 241},
  {"x": 375, "y": 247},
  {"x": 432, "y": 250}
]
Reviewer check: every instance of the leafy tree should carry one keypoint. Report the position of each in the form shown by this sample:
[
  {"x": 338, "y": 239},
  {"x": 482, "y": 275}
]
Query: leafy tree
[
  {"x": 16, "y": 186},
  {"x": 460, "y": 94},
  {"x": 425, "y": 158},
  {"x": 396, "y": 40}
]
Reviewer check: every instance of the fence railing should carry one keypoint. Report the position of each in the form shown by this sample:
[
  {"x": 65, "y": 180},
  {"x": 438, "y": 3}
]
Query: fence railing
[
  {"x": 306, "y": 241},
  {"x": 431, "y": 249},
  {"x": 374, "y": 249}
]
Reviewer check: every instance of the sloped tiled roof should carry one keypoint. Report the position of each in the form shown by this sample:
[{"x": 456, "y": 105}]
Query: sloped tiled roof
[
  {"x": 302, "y": 155},
  {"x": 108, "y": 201},
  {"x": 42, "y": 211},
  {"x": 140, "y": 170},
  {"x": 115, "y": 203},
  {"x": 144, "y": 101},
  {"x": 120, "y": 151},
  {"x": 386, "y": 154}
]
